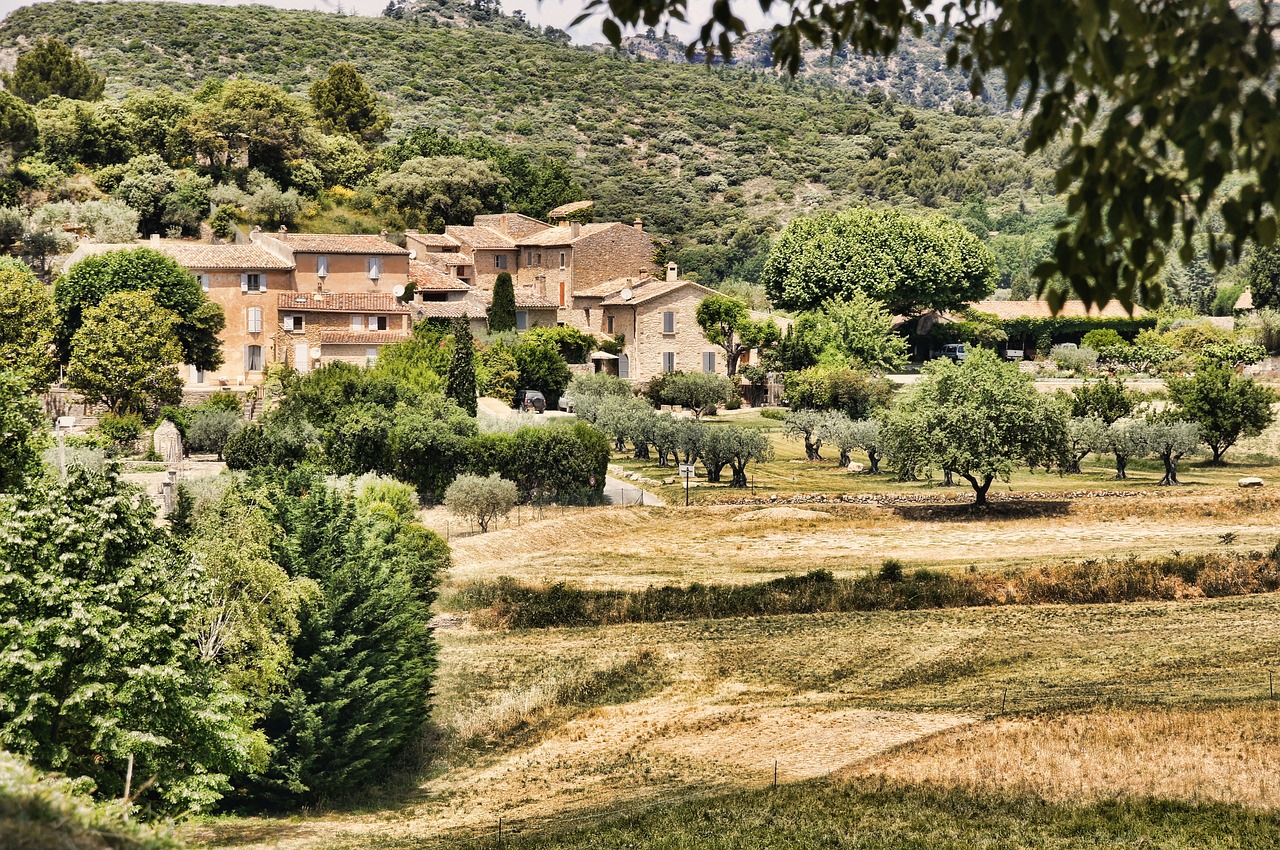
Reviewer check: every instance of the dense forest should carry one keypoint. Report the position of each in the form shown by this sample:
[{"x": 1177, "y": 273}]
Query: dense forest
[{"x": 714, "y": 159}]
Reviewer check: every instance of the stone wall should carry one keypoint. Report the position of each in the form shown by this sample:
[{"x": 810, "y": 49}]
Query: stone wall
[
  {"x": 224, "y": 290},
  {"x": 646, "y": 342}
]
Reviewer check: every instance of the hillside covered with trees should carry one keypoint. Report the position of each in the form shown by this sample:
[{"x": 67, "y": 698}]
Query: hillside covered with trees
[{"x": 714, "y": 159}]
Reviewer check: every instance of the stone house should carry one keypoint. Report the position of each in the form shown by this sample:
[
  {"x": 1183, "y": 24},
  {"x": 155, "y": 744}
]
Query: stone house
[
  {"x": 657, "y": 322},
  {"x": 244, "y": 281},
  {"x": 323, "y": 327},
  {"x": 551, "y": 261},
  {"x": 301, "y": 299}
]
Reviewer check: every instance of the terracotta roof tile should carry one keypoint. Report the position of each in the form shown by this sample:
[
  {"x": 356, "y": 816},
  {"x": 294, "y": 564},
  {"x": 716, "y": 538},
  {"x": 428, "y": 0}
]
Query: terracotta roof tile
[
  {"x": 341, "y": 302},
  {"x": 425, "y": 277},
  {"x": 466, "y": 308},
  {"x": 338, "y": 243},
  {"x": 650, "y": 289},
  {"x": 362, "y": 337},
  {"x": 197, "y": 255},
  {"x": 433, "y": 240},
  {"x": 564, "y": 235},
  {"x": 480, "y": 237},
  {"x": 1006, "y": 310},
  {"x": 570, "y": 209}
]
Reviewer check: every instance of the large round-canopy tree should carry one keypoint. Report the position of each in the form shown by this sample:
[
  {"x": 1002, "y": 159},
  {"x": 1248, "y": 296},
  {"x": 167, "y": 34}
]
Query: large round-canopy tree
[
  {"x": 90, "y": 281},
  {"x": 909, "y": 263},
  {"x": 1154, "y": 104}
]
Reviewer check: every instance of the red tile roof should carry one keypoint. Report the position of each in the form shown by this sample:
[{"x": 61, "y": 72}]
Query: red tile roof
[
  {"x": 341, "y": 302},
  {"x": 199, "y": 256},
  {"x": 480, "y": 237},
  {"x": 362, "y": 337},
  {"x": 1006, "y": 310},
  {"x": 564, "y": 235},
  {"x": 424, "y": 277},
  {"x": 338, "y": 243}
]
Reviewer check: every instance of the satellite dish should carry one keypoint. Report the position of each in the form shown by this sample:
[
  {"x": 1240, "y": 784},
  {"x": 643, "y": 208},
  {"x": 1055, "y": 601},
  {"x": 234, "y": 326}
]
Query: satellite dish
[
  {"x": 413, "y": 255},
  {"x": 626, "y": 294},
  {"x": 397, "y": 290},
  {"x": 314, "y": 352}
]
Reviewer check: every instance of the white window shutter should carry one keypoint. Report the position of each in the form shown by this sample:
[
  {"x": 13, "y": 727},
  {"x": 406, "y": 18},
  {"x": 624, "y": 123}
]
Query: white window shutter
[
  {"x": 288, "y": 323},
  {"x": 262, "y": 282},
  {"x": 244, "y": 281},
  {"x": 373, "y": 323},
  {"x": 204, "y": 282},
  {"x": 357, "y": 323}
]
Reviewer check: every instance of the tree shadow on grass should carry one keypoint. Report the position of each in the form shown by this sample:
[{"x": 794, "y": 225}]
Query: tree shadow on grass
[{"x": 994, "y": 510}]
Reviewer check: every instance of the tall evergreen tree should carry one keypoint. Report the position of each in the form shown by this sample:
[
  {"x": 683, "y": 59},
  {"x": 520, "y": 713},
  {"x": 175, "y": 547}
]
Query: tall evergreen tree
[
  {"x": 50, "y": 69},
  {"x": 462, "y": 368},
  {"x": 502, "y": 312},
  {"x": 345, "y": 104},
  {"x": 359, "y": 683}
]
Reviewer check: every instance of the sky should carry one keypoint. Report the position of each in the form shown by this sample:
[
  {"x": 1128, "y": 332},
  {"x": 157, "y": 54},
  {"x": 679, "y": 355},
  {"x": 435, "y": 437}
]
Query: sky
[{"x": 557, "y": 13}]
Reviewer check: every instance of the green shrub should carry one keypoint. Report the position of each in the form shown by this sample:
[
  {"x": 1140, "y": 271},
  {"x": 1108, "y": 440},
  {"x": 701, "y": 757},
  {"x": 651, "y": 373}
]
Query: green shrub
[
  {"x": 774, "y": 414},
  {"x": 224, "y": 400},
  {"x": 1100, "y": 338},
  {"x": 373, "y": 489},
  {"x": 120, "y": 429}
]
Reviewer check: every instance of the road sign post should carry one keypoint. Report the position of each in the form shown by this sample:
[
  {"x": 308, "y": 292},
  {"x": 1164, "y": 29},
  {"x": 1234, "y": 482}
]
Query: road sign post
[{"x": 687, "y": 473}]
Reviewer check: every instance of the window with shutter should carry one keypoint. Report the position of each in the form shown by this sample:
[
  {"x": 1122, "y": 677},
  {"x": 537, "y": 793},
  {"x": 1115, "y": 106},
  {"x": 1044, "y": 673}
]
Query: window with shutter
[
  {"x": 668, "y": 322},
  {"x": 255, "y": 320},
  {"x": 624, "y": 366},
  {"x": 562, "y": 260},
  {"x": 668, "y": 361},
  {"x": 204, "y": 282},
  {"x": 708, "y": 361},
  {"x": 288, "y": 323},
  {"x": 375, "y": 268},
  {"x": 357, "y": 323},
  {"x": 322, "y": 266},
  {"x": 609, "y": 324},
  {"x": 244, "y": 282},
  {"x": 253, "y": 358},
  {"x": 522, "y": 320}
]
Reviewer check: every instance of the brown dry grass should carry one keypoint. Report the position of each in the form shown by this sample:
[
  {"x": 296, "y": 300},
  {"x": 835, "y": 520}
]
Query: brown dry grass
[
  {"x": 635, "y": 548},
  {"x": 1224, "y": 754}
]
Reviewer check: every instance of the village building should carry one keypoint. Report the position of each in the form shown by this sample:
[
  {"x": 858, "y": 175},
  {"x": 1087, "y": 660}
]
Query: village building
[
  {"x": 657, "y": 323},
  {"x": 300, "y": 299},
  {"x": 552, "y": 262}
]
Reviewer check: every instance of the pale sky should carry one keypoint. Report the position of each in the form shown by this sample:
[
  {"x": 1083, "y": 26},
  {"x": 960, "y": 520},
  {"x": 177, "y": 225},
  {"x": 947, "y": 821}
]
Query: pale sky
[{"x": 557, "y": 13}]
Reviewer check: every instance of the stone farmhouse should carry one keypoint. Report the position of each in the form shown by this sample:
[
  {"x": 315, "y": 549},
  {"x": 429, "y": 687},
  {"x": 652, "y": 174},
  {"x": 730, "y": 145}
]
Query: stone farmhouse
[
  {"x": 300, "y": 299},
  {"x": 551, "y": 261}
]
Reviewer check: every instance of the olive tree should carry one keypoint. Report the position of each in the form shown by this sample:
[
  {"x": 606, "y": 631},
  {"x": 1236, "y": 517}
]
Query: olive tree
[
  {"x": 480, "y": 499},
  {"x": 743, "y": 446},
  {"x": 809, "y": 426},
  {"x": 697, "y": 391},
  {"x": 1128, "y": 439},
  {"x": 211, "y": 428},
  {"x": 978, "y": 419},
  {"x": 1172, "y": 440},
  {"x": 1085, "y": 435}
]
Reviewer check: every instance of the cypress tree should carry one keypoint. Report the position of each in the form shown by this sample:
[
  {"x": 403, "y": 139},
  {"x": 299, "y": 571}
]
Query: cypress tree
[
  {"x": 462, "y": 369},
  {"x": 502, "y": 312}
]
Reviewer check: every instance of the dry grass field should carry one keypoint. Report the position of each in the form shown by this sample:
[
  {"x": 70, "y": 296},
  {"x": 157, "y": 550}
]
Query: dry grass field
[
  {"x": 651, "y": 734},
  {"x": 635, "y": 548}
]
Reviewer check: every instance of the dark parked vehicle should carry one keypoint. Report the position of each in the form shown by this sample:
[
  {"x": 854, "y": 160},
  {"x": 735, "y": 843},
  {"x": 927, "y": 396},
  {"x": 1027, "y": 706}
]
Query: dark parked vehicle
[{"x": 531, "y": 400}]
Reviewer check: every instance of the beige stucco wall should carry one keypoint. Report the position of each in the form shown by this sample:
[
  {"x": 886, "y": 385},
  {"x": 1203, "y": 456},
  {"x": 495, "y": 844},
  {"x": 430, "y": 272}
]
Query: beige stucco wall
[
  {"x": 224, "y": 290},
  {"x": 350, "y": 272}
]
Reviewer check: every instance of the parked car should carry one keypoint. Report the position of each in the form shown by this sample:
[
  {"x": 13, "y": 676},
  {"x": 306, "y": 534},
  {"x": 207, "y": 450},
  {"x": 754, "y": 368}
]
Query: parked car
[
  {"x": 531, "y": 400},
  {"x": 955, "y": 351},
  {"x": 566, "y": 403}
]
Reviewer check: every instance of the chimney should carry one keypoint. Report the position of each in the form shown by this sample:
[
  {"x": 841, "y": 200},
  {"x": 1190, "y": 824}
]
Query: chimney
[
  {"x": 639, "y": 225},
  {"x": 502, "y": 223},
  {"x": 673, "y": 272},
  {"x": 542, "y": 284},
  {"x": 575, "y": 228},
  {"x": 155, "y": 239}
]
